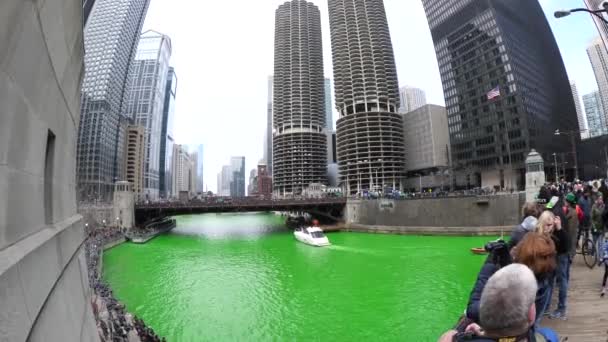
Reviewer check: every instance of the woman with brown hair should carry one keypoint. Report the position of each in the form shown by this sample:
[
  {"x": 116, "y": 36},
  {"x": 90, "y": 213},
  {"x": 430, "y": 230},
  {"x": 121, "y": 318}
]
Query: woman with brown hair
[{"x": 535, "y": 250}]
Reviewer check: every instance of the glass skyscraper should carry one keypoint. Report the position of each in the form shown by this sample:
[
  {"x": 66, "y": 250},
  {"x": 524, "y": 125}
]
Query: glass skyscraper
[
  {"x": 166, "y": 136},
  {"x": 370, "y": 131},
  {"x": 598, "y": 56},
  {"x": 505, "y": 87},
  {"x": 299, "y": 144},
  {"x": 594, "y": 110},
  {"x": 144, "y": 102},
  {"x": 111, "y": 37},
  {"x": 237, "y": 180},
  {"x": 411, "y": 98}
]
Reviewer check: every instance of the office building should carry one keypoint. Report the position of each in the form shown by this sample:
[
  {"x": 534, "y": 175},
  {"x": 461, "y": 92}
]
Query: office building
[
  {"x": 134, "y": 164},
  {"x": 252, "y": 187},
  {"x": 329, "y": 117},
  {"x": 299, "y": 145},
  {"x": 268, "y": 134},
  {"x": 580, "y": 114},
  {"x": 224, "y": 181},
  {"x": 369, "y": 129},
  {"x": 166, "y": 136},
  {"x": 598, "y": 55},
  {"x": 145, "y": 99},
  {"x": 200, "y": 183},
  {"x": 237, "y": 181},
  {"x": 505, "y": 87},
  {"x": 602, "y": 27},
  {"x": 411, "y": 98},
  {"x": 183, "y": 171},
  {"x": 87, "y": 6},
  {"x": 110, "y": 38},
  {"x": 594, "y": 111},
  {"x": 264, "y": 186},
  {"x": 427, "y": 146}
]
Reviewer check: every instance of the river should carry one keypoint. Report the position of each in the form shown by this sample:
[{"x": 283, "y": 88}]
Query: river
[{"x": 243, "y": 277}]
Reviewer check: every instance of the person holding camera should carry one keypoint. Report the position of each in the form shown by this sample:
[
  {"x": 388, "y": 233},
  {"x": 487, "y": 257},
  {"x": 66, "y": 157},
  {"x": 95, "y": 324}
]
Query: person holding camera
[
  {"x": 537, "y": 251},
  {"x": 507, "y": 310},
  {"x": 551, "y": 225}
]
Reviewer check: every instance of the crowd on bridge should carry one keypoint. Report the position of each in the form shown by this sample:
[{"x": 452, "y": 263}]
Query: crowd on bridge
[
  {"x": 514, "y": 288},
  {"x": 114, "y": 323}
]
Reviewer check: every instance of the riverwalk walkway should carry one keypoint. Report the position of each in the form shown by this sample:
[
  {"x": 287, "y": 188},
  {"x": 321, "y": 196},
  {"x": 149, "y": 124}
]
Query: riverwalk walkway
[{"x": 587, "y": 312}]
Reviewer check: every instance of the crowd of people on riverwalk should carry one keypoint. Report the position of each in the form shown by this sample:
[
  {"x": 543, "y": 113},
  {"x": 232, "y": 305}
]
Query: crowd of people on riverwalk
[
  {"x": 114, "y": 323},
  {"x": 513, "y": 290}
]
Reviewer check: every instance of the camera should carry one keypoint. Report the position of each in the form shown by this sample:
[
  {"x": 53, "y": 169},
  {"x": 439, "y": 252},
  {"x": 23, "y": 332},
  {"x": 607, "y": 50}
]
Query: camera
[{"x": 499, "y": 252}]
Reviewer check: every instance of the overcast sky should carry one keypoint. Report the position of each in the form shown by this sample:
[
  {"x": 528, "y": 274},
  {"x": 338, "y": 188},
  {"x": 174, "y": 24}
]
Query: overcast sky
[{"x": 223, "y": 55}]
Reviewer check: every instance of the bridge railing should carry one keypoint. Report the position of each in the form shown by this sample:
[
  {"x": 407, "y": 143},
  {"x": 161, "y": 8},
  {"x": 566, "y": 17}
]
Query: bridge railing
[{"x": 241, "y": 202}]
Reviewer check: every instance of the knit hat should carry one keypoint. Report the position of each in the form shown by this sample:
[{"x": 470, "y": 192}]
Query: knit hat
[{"x": 570, "y": 198}]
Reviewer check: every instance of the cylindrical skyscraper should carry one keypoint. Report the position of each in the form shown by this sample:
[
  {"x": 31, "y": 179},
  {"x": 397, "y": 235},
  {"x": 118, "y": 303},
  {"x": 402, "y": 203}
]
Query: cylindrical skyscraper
[
  {"x": 299, "y": 145},
  {"x": 370, "y": 132}
]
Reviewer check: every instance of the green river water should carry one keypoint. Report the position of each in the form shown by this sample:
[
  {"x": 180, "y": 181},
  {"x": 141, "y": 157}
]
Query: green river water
[{"x": 244, "y": 277}]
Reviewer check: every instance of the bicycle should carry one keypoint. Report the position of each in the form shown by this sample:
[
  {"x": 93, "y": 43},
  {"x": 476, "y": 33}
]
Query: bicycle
[{"x": 588, "y": 249}]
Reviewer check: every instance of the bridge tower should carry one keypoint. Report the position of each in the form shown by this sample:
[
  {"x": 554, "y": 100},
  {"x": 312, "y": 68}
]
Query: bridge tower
[
  {"x": 535, "y": 175},
  {"x": 124, "y": 205}
]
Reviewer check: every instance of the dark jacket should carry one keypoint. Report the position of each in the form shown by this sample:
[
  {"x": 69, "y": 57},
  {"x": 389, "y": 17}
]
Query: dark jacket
[
  {"x": 561, "y": 240},
  {"x": 585, "y": 204},
  {"x": 487, "y": 270}
]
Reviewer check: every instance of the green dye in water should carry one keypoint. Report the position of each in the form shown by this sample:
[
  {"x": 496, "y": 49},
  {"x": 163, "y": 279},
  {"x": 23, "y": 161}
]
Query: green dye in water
[{"x": 244, "y": 277}]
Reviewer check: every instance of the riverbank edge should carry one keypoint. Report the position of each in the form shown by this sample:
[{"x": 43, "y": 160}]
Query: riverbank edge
[
  {"x": 430, "y": 231},
  {"x": 102, "y": 308}
]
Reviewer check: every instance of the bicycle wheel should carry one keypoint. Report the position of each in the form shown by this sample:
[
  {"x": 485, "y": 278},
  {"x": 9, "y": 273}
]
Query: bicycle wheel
[{"x": 589, "y": 253}]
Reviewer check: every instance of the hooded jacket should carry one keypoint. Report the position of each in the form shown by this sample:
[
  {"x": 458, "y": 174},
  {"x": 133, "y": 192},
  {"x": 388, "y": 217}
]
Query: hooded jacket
[{"x": 528, "y": 225}]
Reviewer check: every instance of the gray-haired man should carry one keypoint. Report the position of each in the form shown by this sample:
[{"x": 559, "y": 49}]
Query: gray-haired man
[{"x": 507, "y": 311}]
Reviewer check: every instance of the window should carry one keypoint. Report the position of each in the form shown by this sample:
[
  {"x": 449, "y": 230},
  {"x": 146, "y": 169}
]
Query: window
[{"x": 49, "y": 162}]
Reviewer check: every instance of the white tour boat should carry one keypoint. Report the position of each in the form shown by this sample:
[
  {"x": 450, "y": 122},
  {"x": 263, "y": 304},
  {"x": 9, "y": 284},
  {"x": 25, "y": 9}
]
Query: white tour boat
[{"x": 311, "y": 236}]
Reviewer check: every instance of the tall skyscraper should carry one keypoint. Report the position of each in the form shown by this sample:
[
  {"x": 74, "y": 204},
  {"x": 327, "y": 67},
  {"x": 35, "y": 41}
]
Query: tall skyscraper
[
  {"x": 602, "y": 27},
  {"x": 111, "y": 37},
  {"x": 329, "y": 117},
  {"x": 370, "y": 131},
  {"x": 598, "y": 55},
  {"x": 580, "y": 114},
  {"x": 505, "y": 86},
  {"x": 225, "y": 180},
  {"x": 268, "y": 135},
  {"x": 411, "y": 98},
  {"x": 237, "y": 181},
  {"x": 595, "y": 114},
  {"x": 145, "y": 99},
  {"x": 200, "y": 183},
  {"x": 166, "y": 136},
  {"x": 252, "y": 188},
  {"x": 183, "y": 170},
  {"x": 299, "y": 146}
]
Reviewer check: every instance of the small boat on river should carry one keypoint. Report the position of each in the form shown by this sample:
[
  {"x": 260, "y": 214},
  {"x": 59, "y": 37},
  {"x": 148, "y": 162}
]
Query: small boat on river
[{"x": 313, "y": 236}]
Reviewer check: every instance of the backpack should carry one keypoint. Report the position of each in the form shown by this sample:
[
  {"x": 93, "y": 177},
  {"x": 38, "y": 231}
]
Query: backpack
[{"x": 580, "y": 214}]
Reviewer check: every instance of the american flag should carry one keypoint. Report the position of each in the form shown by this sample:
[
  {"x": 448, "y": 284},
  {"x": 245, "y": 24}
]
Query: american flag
[{"x": 494, "y": 93}]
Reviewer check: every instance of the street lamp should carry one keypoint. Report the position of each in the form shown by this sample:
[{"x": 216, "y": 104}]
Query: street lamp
[
  {"x": 572, "y": 135},
  {"x": 555, "y": 165},
  {"x": 565, "y": 13}
]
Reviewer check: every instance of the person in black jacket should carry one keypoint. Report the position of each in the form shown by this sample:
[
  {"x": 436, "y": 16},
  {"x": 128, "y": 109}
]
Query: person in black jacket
[
  {"x": 551, "y": 225},
  {"x": 535, "y": 250}
]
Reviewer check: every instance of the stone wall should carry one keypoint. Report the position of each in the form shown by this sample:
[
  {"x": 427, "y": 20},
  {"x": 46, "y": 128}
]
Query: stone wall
[
  {"x": 451, "y": 215},
  {"x": 44, "y": 290},
  {"x": 94, "y": 215}
]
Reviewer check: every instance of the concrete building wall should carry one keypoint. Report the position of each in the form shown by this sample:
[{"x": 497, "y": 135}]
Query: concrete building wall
[
  {"x": 44, "y": 290},
  {"x": 458, "y": 213},
  {"x": 426, "y": 137}
]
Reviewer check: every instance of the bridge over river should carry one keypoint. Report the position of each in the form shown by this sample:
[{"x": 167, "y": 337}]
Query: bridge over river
[{"x": 329, "y": 208}]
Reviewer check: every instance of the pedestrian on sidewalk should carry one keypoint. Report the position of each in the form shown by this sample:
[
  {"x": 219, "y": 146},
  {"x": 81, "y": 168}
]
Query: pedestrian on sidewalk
[
  {"x": 551, "y": 225},
  {"x": 597, "y": 224},
  {"x": 571, "y": 213}
]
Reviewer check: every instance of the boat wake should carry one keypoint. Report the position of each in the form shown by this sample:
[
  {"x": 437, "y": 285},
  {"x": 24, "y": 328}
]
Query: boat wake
[{"x": 353, "y": 250}]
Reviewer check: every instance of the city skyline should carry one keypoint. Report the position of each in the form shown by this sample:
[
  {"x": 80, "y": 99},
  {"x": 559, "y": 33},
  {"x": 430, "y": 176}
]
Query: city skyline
[{"x": 196, "y": 124}]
